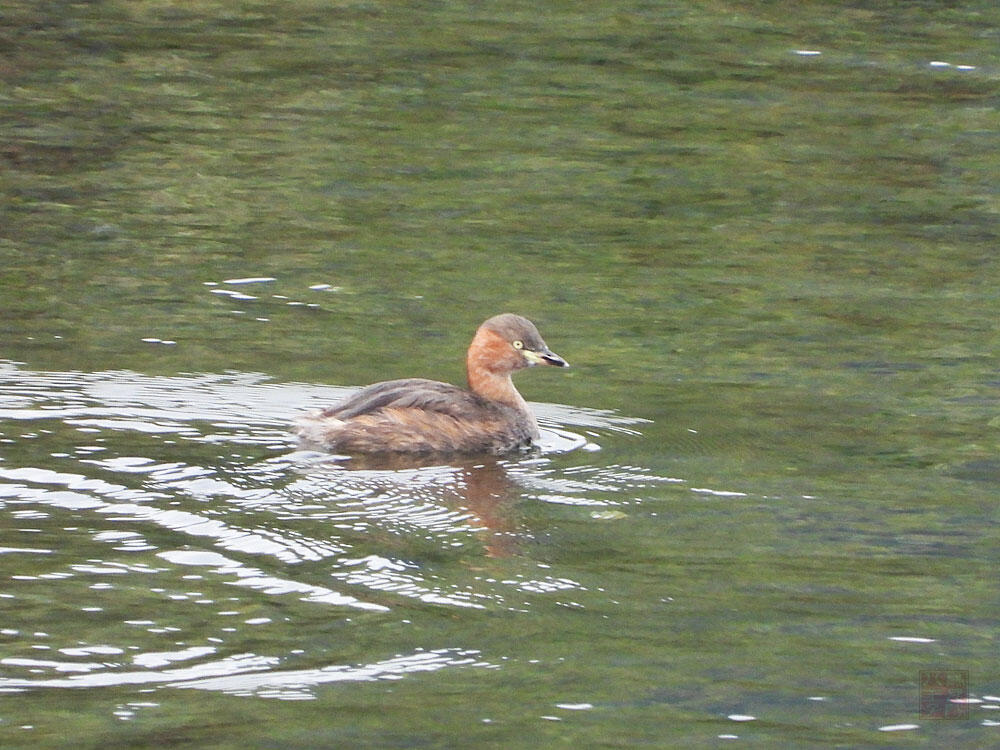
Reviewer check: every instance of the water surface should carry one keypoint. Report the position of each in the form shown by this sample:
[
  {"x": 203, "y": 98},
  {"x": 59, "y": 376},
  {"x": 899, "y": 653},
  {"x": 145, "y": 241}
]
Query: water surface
[{"x": 763, "y": 234}]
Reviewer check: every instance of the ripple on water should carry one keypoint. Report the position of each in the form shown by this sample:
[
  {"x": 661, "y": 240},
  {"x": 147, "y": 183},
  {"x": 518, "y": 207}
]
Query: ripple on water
[{"x": 176, "y": 516}]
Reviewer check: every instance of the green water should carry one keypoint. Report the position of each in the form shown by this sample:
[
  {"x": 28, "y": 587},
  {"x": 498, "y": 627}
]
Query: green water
[{"x": 775, "y": 276}]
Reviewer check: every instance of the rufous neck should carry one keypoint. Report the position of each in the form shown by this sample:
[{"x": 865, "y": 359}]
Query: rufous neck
[
  {"x": 495, "y": 387},
  {"x": 488, "y": 367}
]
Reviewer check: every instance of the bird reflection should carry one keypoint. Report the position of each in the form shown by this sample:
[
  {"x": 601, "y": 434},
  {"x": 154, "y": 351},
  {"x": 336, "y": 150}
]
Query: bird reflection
[
  {"x": 480, "y": 486},
  {"x": 488, "y": 494}
]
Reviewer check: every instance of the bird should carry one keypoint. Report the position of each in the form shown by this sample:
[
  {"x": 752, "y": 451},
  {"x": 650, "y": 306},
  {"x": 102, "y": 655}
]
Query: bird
[{"x": 419, "y": 416}]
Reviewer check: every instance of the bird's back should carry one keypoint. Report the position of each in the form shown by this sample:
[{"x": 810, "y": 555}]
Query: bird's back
[{"x": 417, "y": 416}]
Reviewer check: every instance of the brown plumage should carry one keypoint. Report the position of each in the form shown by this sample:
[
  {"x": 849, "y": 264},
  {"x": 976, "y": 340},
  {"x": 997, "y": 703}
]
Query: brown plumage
[{"x": 426, "y": 416}]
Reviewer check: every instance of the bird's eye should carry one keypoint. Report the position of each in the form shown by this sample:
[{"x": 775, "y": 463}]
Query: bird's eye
[{"x": 518, "y": 344}]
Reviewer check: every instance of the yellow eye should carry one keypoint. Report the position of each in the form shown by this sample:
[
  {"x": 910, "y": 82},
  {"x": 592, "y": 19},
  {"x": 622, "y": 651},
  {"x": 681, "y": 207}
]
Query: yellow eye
[{"x": 518, "y": 344}]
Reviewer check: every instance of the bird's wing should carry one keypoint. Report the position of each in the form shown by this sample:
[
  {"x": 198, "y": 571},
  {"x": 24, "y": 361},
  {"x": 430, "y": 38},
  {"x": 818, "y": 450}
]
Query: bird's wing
[{"x": 410, "y": 393}]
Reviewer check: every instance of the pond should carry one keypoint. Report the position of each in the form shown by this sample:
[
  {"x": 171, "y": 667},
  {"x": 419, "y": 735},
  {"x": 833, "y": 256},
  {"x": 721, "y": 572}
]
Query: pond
[{"x": 764, "y": 508}]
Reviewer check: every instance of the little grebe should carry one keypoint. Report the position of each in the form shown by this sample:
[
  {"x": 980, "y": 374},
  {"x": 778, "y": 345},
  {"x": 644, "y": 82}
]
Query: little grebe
[{"x": 424, "y": 416}]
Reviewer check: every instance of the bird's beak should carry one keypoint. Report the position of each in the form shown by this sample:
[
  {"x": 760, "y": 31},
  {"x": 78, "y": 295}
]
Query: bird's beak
[{"x": 544, "y": 357}]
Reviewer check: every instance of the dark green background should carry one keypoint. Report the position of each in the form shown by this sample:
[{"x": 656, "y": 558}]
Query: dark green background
[{"x": 787, "y": 262}]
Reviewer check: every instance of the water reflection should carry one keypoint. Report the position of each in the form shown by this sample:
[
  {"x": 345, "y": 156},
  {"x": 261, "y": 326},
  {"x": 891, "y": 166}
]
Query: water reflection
[
  {"x": 245, "y": 674},
  {"x": 466, "y": 496},
  {"x": 175, "y": 516}
]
